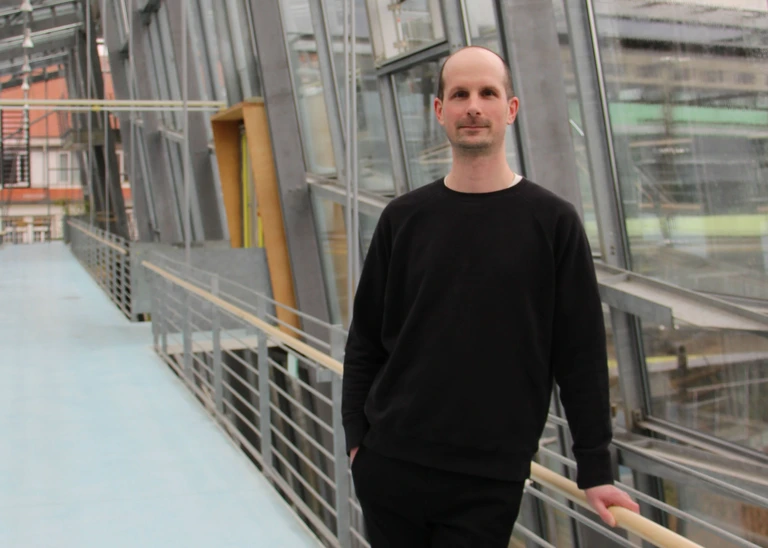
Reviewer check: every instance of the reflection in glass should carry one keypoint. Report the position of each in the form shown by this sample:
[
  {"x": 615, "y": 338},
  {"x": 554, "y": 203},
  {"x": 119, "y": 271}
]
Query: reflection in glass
[
  {"x": 577, "y": 134},
  {"x": 305, "y": 68},
  {"x": 332, "y": 237},
  {"x": 714, "y": 382},
  {"x": 367, "y": 226},
  {"x": 483, "y": 27},
  {"x": 688, "y": 109},
  {"x": 402, "y": 27},
  {"x": 745, "y": 520},
  {"x": 427, "y": 147},
  {"x": 375, "y": 169}
]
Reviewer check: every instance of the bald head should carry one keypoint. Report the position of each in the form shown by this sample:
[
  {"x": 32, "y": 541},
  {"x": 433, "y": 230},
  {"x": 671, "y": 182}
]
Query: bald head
[{"x": 481, "y": 54}]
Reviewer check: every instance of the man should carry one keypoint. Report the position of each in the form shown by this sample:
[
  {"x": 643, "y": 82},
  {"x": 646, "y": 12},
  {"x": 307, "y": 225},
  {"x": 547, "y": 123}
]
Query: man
[{"x": 478, "y": 291}]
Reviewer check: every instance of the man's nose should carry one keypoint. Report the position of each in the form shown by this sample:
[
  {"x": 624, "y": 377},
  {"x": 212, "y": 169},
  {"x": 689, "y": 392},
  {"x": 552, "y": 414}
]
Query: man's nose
[{"x": 473, "y": 106}]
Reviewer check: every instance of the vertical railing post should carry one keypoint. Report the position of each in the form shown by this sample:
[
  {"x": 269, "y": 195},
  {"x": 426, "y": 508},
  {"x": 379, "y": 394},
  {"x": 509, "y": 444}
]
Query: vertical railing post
[
  {"x": 265, "y": 420},
  {"x": 154, "y": 293},
  {"x": 165, "y": 323},
  {"x": 341, "y": 466},
  {"x": 218, "y": 385},
  {"x": 187, "y": 337}
]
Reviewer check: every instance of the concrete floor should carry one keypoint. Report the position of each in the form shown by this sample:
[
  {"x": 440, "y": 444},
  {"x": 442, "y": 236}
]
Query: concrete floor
[{"x": 100, "y": 444}]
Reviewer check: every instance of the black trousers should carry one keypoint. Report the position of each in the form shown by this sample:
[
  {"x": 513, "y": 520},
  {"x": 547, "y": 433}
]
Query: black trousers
[{"x": 408, "y": 505}]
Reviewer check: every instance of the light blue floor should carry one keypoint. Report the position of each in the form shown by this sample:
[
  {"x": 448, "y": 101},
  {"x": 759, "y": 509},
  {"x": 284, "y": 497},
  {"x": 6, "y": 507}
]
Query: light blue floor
[{"x": 100, "y": 445}]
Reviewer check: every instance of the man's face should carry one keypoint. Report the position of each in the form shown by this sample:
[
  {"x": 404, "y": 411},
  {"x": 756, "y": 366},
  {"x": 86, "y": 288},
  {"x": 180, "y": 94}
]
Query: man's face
[{"x": 475, "y": 109}]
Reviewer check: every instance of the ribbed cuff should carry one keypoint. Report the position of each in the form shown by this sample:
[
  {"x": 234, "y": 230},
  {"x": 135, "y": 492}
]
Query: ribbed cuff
[
  {"x": 355, "y": 431},
  {"x": 594, "y": 470}
]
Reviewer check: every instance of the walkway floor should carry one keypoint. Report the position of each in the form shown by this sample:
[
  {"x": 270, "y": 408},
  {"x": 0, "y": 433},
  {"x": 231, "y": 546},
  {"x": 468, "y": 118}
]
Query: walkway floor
[{"x": 100, "y": 444}]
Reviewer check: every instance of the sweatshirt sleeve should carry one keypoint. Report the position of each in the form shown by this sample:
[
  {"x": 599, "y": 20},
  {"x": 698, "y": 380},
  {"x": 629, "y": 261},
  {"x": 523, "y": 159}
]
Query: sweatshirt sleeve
[
  {"x": 579, "y": 353},
  {"x": 365, "y": 353}
]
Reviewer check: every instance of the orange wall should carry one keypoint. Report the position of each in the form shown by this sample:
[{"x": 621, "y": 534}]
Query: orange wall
[{"x": 57, "y": 89}]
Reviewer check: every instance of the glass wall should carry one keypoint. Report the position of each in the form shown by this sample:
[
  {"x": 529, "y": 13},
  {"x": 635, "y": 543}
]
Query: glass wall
[
  {"x": 483, "y": 27},
  {"x": 688, "y": 109},
  {"x": 331, "y": 229},
  {"x": 577, "y": 133},
  {"x": 403, "y": 27},
  {"x": 308, "y": 87},
  {"x": 375, "y": 169}
]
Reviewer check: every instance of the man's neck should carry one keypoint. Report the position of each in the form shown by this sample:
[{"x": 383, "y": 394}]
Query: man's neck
[{"x": 480, "y": 174}]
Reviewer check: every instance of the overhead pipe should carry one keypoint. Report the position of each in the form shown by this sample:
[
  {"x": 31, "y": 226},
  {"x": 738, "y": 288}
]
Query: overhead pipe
[{"x": 108, "y": 103}]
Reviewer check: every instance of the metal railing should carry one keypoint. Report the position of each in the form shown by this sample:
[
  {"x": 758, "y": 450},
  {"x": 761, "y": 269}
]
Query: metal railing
[
  {"x": 107, "y": 258},
  {"x": 277, "y": 393}
]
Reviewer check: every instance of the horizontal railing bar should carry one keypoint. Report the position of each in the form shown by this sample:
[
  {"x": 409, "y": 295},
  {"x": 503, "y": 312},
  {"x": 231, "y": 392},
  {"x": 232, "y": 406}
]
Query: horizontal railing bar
[
  {"x": 530, "y": 535},
  {"x": 681, "y": 514},
  {"x": 243, "y": 381},
  {"x": 303, "y": 457},
  {"x": 634, "y": 523},
  {"x": 304, "y": 434},
  {"x": 104, "y": 241},
  {"x": 579, "y": 517},
  {"x": 305, "y": 510},
  {"x": 638, "y": 525},
  {"x": 733, "y": 490},
  {"x": 248, "y": 423},
  {"x": 242, "y": 399},
  {"x": 323, "y": 398},
  {"x": 359, "y": 537},
  {"x": 306, "y": 412},
  {"x": 298, "y": 331},
  {"x": 296, "y": 345},
  {"x": 306, "y": 485},
  {"x": 231, "y": 353}
]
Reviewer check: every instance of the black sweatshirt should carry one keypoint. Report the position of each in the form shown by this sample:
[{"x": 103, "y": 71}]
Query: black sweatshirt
[{"x": 468, "y": 307}]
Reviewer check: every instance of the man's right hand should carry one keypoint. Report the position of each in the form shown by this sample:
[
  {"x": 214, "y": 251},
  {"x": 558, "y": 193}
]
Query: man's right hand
[{"x": 352, "y": 454}]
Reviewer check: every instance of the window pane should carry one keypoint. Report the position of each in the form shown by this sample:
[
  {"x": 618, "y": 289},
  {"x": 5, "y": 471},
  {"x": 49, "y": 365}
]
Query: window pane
[
  {"x": 375, "y": 168},
  {"x": 483, "y": 27},
  {"x": 427, "y": 147},
  {"x": 332, "y": 236},
  {"x": 401, "y": 27},
  {"x": 63, "y": 168},
  {"x": 577, "y": 134},
  {"x": 715, "y": 382},
  {"x": 688, "y": 109},
  {"x": 305, "y": 67}
]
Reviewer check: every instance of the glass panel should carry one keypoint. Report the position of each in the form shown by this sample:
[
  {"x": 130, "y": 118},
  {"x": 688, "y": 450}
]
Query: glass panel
[
  {"x": 402, "y": 27},
  {"x": 426, "y": 146},
  {"x": 367, "y": 226},
  {"x": 742, "y": 519},
  {"x": 375, "y": 169},
  {"x": 715, "y": 382},
  {"x": 688, "y": 109},
  {"x": 305, "y": 67},
  {"x": 483, "y": 27},
  {"x": 332, "y": 237},
  {"x": 577, "y": 134}
]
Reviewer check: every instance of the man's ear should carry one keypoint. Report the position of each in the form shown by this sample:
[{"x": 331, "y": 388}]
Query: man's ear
[
  {"x": 514, "y": 105},
  {"x": 439, "y": 111}
]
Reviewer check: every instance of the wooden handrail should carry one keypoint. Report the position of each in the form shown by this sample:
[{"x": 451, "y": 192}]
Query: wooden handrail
[
  {"x": 634, "y": 523},
  {"x": 275, "y": 333},
  {"x": 113, "y": 245}
]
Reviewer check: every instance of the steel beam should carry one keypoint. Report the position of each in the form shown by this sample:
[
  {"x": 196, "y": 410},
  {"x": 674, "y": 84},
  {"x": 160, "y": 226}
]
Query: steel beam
[
  {"x": 206, "y": 191},
  {"x": 40, "y": 25},
  {"x": 120, "y": 84},
  {"x": 289, "y": 164},
  {"x": 532, "y": 47},
  {"x": 163, "y": 195}
]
